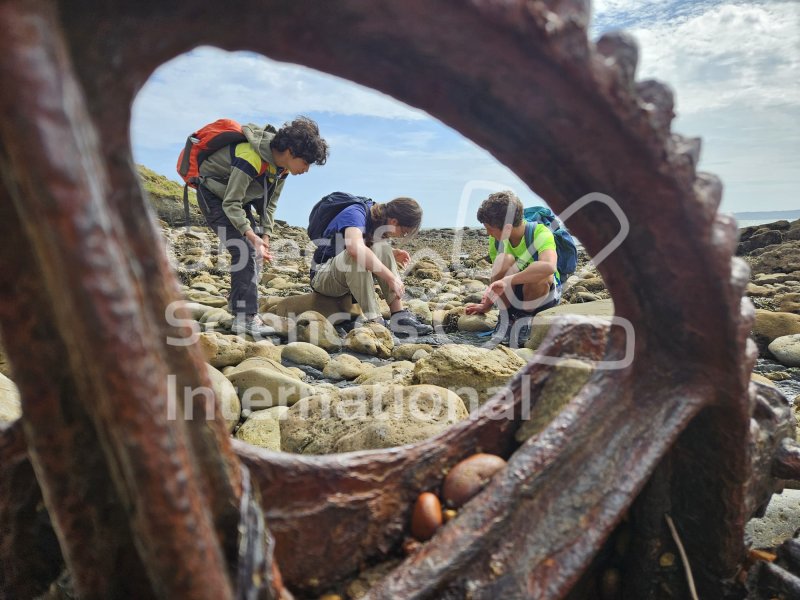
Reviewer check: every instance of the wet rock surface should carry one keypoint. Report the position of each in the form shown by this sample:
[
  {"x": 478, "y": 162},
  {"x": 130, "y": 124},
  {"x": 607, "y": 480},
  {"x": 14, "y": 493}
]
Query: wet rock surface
[
  {"x": 319, "y": 386},
  {"x": 314, "y": 351},
  {"x": 449, "y": 269}
]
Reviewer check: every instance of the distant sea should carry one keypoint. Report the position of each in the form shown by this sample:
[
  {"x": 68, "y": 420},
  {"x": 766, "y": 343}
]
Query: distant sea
[
  {"x": 748, "y": 219},
  {"x": 744, "y": 219}
]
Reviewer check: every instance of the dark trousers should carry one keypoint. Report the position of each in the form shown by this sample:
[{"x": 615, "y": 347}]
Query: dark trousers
[{"x": 244, "y": 273}]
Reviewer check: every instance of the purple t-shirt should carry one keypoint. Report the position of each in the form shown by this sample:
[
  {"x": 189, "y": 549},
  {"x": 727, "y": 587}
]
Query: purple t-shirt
[{"x": 355, "y": 215}]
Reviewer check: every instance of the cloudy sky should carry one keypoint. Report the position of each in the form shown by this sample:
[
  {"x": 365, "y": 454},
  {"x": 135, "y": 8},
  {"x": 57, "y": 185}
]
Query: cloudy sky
[{"x": 735, "y": 66}]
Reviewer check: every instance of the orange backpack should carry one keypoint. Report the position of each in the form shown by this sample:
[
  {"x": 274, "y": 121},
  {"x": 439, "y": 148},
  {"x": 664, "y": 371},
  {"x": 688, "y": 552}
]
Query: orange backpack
[
  {"x": 199, "y": 146},
  {"x": 203, "y": 143}
]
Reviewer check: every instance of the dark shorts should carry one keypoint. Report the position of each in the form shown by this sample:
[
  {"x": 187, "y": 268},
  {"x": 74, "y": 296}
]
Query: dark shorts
[{"x": 553, "y": 298}]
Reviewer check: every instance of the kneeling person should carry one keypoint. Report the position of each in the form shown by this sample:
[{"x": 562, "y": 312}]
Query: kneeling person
[
  {"x": 524, "y": 280},
  {"x": 353, "y": 251}
]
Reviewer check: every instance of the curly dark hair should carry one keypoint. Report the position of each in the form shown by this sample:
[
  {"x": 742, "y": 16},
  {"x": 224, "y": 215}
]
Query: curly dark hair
[
  {"x": 301, "y": 136},
  {"x": 500, "y": 209}
]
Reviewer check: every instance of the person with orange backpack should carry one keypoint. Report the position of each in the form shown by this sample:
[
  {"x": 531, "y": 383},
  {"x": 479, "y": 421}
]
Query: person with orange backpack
[{"x": 240, "y": 168}]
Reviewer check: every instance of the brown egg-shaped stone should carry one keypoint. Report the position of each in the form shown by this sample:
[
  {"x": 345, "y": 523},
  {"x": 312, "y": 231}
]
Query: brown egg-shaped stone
[
  {"x": 427, "y": 516},
  {"x": 469, "y": 477}
]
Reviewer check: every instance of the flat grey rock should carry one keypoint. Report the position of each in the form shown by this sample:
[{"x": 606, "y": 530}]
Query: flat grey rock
[{"x": 780, "y": 522}]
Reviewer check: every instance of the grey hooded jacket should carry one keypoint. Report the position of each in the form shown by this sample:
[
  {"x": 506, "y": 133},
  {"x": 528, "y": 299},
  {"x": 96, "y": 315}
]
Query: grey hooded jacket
[{"x": 245, "y": 175}]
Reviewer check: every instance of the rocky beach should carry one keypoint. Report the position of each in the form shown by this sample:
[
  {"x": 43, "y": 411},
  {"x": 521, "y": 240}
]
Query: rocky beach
[
  {"x": 273, "y": 389},
  {"x": 321, "y": 385}
]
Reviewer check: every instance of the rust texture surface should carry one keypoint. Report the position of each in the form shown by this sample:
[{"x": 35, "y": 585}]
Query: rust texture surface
[{"x": 84, "y": 284}]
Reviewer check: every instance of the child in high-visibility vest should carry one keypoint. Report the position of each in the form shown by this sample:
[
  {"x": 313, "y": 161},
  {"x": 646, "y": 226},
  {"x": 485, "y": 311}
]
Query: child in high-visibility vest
[{"x": 525, "y": 278}]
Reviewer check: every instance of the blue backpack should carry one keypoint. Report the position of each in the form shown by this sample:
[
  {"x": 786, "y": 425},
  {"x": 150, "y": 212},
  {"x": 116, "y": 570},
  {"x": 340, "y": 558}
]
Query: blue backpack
[{"x": 566, "y": 250}]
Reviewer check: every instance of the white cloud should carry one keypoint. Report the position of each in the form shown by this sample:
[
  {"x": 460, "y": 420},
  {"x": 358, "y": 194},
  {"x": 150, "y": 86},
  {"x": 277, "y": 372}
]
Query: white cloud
[
  {"x": 726, "y": 55},
  {"x": 198, "y": 87},
  {"x": 734, "y": 65}
]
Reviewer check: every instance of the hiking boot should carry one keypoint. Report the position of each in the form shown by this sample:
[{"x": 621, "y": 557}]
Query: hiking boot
[
  {"x": 513, "y": 329},
  {"x": 519, "y": 329},
  {"x": 405, "y": 324},
  {"x": 502, "y": 330},
  {"x": 253, "y": 326}
]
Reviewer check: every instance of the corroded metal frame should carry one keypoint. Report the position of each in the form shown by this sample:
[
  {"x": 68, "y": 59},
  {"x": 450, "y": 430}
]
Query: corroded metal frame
[{"x": 84, "y": 282}]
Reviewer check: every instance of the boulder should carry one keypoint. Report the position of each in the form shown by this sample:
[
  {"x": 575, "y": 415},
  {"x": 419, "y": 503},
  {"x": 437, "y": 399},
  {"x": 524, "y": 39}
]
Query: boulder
[
  {"x": 773, "y": 278},
  {"x": 344, "y": 366},
  {"x": 525, "y": 354},
  {"x": 369, "y": 417},
  {"x": 426, "y": 269},
  {"x": 789, "y": 303},
  {"x": 594, "y": 284},
  {"x": 584, "y": 297},
  {"x": 323, "y": 387},
  {"x": 759, "y": 291},
  {"x": 786, "y": 350},
  {"x": 297, "y": 372},
  {"x": 276, "y": 412},
  {"x": 197, "y": 310},
  {"x": 222, "y": 350},
  {"x": 438, "y": 318},
  {"x": 314, "y": 328},
  {"x": 279, "y": 283},
  {"x": 563, "y": 383},
  {"x": 447, "y": 297},
  {"x": 262, "y": 387},
  {"x": 400, "y": 372},
  {"x": 473, "y": 373},
  {"x": 283, "y": 326},
  {"x": 304, "y": 353},
  {"x": 225, "y": 350},
  {"x": 759, "y": 240},
  {"x": 450, "y": 321},
  {"x": 473, "y": 298},
  {"x": 265, "y": 362},
  {"x": 761, "y": 379},
  {"x": 10, "y": 406},
  {"x": 217, "y": 318},
  {"x": 540, "y": 325},
  {"x": 473, "y": 286},
  {"x": 229, "y": 403},
  {"x": 261, "y": 429},
  {"x": 203, "y": 277},
  {"x": 206, "y": 287},
  {"x": 770, "y": 325},
  {"x": 205, "y": 298},
  {"x": 295, "y": 306},
  {"x": 263, "y": 349},
  {"x": 419, "y": 355},
  {"x": 783, "y": 258},
  {"x": 372, "y": 339},
  {"x": 384, "y": 308},
  {"x": 407, "y": 351},
  {"x": 421, "y": 309},
  {"x": 478, "y": 323}
]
